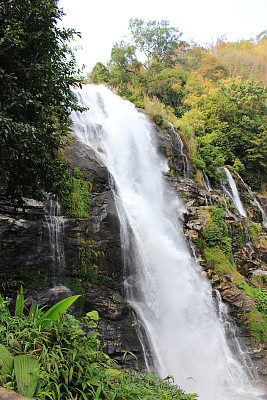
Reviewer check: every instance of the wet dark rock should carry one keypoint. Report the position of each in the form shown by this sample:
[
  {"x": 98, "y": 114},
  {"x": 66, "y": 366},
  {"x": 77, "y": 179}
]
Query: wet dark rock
[{"x": 109, "y": 304}]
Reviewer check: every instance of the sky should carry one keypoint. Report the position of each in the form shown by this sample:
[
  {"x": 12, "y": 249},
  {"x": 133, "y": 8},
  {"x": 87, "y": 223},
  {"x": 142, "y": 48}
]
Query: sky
[{"x": 102, "y": 23}]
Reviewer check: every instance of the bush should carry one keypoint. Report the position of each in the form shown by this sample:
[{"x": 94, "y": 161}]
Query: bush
[
  {"x": 71, "y": 363},
  {"x": 213, "y": 234}
]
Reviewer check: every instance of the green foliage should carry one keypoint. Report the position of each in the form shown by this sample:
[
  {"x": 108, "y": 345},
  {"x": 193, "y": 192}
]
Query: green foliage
[
  {"x": 76, "y": 195},
  {"x": 71, "y": 362},
  {"x": 254, "y": 229},
  {"x": 236, "y": 127},
  {"x": 36, "y": 73},
  {"x": 213, "y": 234},
  {"x": 159, "y": 112},
  {"x": 26, "y": 369},
  {"x": 168, "y": 87},
  {"x": 100, "y": 74},
  {"x": 89, "y": 271},
  {"x": 256, "y": 320},
  {"x": 19, "y": 304},
  {"x": 222, "y": 117},
  {"x": 55, "y": 312},
  {"x": 257, "y": 324},
  {"x": 6, "y": 360},
  {"x": 191, "y": 125},
  {"x": 158, "y": 119},
  {"x": 261, "y": 301},
  {"x": 216, "y": 233},
  {"x": 257, "y": 294},
  {"x": 222, "y": 263},
  {"x": 156, "y": 40}
]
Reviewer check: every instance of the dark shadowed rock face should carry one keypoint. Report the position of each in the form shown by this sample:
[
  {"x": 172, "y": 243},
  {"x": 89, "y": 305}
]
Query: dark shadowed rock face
[{"x": 28, "y": 256}]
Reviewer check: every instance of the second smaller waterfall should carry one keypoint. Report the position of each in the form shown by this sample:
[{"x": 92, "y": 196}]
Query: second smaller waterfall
[
  {"x": 55, "y": 224},
  {"x": 234, "y": 195}
]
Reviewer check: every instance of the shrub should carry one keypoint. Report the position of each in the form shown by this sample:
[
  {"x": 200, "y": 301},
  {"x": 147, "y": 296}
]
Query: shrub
[{"x": 71, "y": 363}]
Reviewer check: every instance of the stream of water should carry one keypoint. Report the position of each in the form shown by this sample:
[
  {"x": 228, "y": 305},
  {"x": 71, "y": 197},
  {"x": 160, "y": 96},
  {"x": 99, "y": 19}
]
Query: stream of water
[
  {"x": 234, "y": 195},
  {"x": 172, "y": 300},
  {"x": 55, "y": 223}
]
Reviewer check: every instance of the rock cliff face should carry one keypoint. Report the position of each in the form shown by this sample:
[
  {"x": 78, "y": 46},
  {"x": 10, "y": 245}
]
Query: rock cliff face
[{"x": 91, "y": 249}]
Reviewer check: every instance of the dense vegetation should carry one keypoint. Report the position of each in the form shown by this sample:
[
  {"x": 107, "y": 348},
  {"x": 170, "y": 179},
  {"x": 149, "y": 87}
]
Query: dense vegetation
[
  {"x": 50, "y": 356},
  {"x": 37, "y": 69},
  {"x": 215, "y": 97}
]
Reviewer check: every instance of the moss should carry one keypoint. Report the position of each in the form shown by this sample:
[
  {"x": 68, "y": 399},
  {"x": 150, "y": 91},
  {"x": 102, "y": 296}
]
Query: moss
[
  {"x": 89, "y": 270},
  {"x": 198, "y": 177},
  {"x": 257, "y": 324},
  {"x": 254, "y": 229},
  {"x": 222, "y": 263},
  {"x": 76, "y": 196},
  {"x": 118, "y": 298}
]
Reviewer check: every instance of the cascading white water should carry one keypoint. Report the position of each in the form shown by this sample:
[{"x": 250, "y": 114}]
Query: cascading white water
[
  {"x": 55, "y": 224},
  {"x": 206, "y": 182},
  {"x": 178, "y": 141},
  {"x": 264, "y": 217},
  {"x": 235, "y": 196},
  {"x": 171, "y": 298}
]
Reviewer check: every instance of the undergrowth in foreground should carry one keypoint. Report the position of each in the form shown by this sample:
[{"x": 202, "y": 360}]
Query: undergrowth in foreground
[{"x": 69, "y": 362}]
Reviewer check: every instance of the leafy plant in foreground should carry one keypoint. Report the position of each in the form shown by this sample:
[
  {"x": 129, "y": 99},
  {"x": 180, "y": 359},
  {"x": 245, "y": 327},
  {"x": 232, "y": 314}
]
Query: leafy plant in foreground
[{"x": 69, "y": 360}]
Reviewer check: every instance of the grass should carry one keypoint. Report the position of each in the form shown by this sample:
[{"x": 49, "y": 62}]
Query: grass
[{"x": 221, "y": 262}]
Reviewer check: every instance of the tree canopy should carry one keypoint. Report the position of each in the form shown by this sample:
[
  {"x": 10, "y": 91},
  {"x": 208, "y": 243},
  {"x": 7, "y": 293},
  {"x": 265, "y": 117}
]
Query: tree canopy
[
  {"x": 155, "y": 39},
  {"x": 37, "y": 69},
  {"x": 215, "y": 95}
]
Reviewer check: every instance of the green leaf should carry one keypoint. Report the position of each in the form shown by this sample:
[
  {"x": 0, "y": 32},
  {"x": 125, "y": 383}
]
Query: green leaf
[
  {"x": 27, "y": 374},
  {"x": 19, "y": 304},
  {"x": 6, "y": 360},
  {"x": 55, "y": 312},
  {"x": 93, "y": 315},
  {"x": 34, "y": 312},
  {"x": 113, "y": 372}
]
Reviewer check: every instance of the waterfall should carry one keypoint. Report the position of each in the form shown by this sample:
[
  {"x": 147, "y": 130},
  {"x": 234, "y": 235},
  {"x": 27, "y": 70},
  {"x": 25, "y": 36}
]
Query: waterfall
[
  {"x": 177, "y": 142},
  {"x": 206, "y": 182},
  {"x": 234, "y": 196},
  {"x": 172, "y": 300},
  {"x": 55, "y": 224},
  {"x": 264, "y": 217}
]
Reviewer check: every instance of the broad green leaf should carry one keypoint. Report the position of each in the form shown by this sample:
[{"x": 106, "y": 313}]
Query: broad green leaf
[
  {"x": 27, "y": 374},
  {"x": 93, "y": 315},
  {"x": 92, "y": 324},
  {"x": 54, "y": 312},
  {"x": 6, "y": 360}
]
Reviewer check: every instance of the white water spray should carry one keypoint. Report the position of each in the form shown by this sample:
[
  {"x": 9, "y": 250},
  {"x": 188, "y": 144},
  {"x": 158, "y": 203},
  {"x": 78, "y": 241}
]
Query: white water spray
[
  {"x": 234, "y": 196},
  {"x": 171, "y": 298}
]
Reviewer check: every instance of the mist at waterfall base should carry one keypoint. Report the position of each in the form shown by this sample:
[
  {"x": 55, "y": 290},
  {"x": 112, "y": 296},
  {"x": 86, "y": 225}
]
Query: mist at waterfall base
[{"x": 172, "y": 300}]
